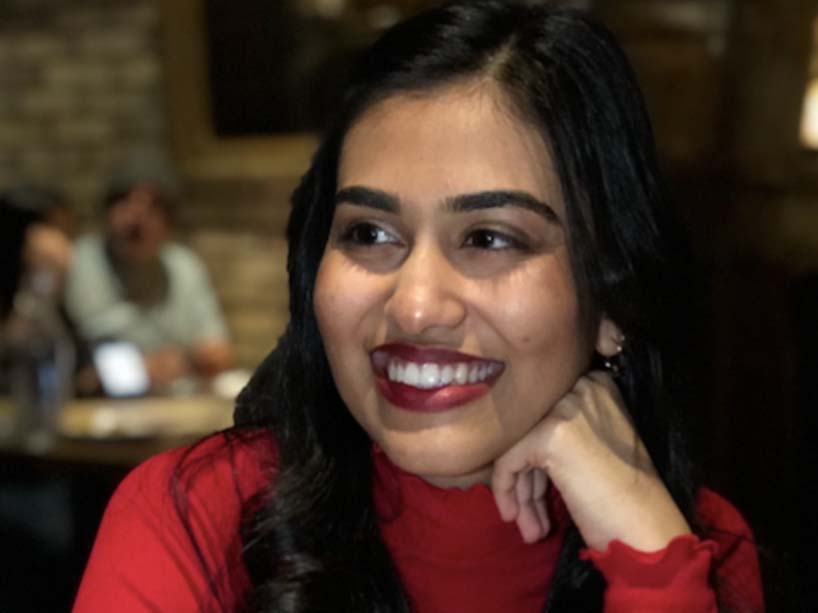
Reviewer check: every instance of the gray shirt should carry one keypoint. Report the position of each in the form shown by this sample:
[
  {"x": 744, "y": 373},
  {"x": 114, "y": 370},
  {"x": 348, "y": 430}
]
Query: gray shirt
[{"x": 95, "y": 299}]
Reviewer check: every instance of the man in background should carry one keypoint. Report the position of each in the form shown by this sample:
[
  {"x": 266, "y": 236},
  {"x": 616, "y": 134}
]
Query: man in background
[{"x": 133, "y": 283}]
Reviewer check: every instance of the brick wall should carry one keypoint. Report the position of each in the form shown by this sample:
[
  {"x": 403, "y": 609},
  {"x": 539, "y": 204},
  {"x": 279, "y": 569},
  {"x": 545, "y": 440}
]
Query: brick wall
[
  {"x": 238, "y": 227},
  {"x": 81, "y": 84}
]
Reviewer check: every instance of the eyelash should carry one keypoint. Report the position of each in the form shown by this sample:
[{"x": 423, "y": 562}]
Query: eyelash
[
  {"x": 352, "y": 236},
  {"x": 486, "y": 233}
]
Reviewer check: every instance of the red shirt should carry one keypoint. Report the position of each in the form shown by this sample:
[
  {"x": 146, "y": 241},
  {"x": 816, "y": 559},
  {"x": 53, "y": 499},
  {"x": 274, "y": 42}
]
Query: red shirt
[{"x": 450, "y": 547}]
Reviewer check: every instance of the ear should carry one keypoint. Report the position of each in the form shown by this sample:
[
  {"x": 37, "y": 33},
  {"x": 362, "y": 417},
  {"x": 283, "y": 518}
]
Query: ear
[{"x": 609, "y": 338}]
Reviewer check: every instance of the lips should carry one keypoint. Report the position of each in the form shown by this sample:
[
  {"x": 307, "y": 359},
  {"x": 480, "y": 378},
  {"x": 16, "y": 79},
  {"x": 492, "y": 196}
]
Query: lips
[{"x": 431, "y": 378}]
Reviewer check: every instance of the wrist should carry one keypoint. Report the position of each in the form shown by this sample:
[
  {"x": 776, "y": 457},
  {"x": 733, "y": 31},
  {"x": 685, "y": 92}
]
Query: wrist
[{"x": 673, "y": 579}]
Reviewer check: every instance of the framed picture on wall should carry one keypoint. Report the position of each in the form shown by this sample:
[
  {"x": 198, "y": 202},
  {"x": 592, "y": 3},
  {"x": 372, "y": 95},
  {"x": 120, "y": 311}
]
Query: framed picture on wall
[{"x": 250, "y": 84}]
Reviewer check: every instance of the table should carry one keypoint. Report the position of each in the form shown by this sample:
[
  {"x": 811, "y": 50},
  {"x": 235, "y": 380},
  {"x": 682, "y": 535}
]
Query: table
[
  {"x": 125, "y": 432},
  {"x": 98, "y": 442}
]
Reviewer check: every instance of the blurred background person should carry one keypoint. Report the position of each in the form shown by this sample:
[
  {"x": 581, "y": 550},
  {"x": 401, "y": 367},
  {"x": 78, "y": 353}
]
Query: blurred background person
[
  {"x": 38, "y": 356},
  {"x": 35, "y": 247},
  {"x": 38, "y": 352},
  {"x": 132, "y": 283}
]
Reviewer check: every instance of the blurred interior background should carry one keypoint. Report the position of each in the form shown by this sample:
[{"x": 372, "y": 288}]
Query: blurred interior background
[{"x": 233, "y": 92}]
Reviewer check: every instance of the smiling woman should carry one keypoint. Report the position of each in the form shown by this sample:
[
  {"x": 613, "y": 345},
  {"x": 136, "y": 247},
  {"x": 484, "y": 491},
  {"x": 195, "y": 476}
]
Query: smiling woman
[
  {"x": 465, "y": 265},
  {"x": 481, "y": 230}
]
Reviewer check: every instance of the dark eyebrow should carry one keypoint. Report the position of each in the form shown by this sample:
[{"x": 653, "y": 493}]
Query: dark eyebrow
[
  {"x": 501, "y": 198},
  {"x": 369, "y": 197},
  {"x": 390, "y": 203}
]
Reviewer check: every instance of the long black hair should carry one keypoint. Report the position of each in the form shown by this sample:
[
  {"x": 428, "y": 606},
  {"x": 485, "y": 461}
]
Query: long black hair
[{"x": 314, "y": 545}]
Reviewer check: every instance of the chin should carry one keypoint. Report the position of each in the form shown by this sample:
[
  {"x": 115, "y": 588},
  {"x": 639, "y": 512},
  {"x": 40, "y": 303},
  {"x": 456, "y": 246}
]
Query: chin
[{"x": 437, "y": 461}]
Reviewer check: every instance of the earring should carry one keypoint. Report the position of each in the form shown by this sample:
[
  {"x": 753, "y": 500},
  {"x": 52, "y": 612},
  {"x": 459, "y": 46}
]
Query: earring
[{"x": 615, "y": 364}]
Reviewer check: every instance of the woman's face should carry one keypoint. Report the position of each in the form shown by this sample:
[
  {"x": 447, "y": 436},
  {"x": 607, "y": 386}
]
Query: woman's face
[{"x": 444, "y": 297}]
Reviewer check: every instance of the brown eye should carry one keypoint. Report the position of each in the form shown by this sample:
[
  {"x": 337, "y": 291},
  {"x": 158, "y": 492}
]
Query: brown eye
[
  {"x": 492, "y": 240},
  {"x": 367, "y": 234}
]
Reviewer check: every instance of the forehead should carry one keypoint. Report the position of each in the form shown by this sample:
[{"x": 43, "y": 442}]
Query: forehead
[{"x": 442, "y": 143}]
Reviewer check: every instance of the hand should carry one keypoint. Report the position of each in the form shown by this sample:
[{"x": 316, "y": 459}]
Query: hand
[
  {"x": 165, "y": 366},
  {"x": 47, "y": 248},
  {"x": 211, "y": 357},
  {"x": 587, "y": 448}
]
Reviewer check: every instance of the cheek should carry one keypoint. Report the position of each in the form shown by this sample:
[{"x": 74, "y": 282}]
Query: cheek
[
  {"x": 547, "y": 352},
  {"x": 341, "y": 301},
  {"x": 324, "y": 301},
  {"x": 341, "y": 305},
  {"x": 538, "y": 309},
  {"x": 542, "y": 321},
  {"x": 329, "y": 316}
]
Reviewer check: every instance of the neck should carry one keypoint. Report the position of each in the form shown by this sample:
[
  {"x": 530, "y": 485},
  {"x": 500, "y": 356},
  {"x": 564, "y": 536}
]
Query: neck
[
  {"x": 144, "y": 282},
  {"x": 463, "y": 482}
]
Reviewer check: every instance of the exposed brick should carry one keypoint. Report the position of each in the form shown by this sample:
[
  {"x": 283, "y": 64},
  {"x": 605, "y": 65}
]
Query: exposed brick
[
  {"x": 9, "y": 169},
  {"x": 17, "y": 75},
  {"x": 140, "y": 125},
  {"x": 109, "y": 104},
  {"x": 81, "y": 19},
  {"x": 83, "y": 130},
  {"x": 83, "y": 193},
  {"x": 258, "y": 324},
  {"x": 50, "y": 101},
  {"x": 80, "y": 75},
  {"x": 141, "y": 15},
  {"x": 18, "y": 135},
  {"x": 34, "y": 46},
  {"x": 9, "y": 107},
  {"x": 119, "y": 43},
  {"x": 139, "y": 73}
]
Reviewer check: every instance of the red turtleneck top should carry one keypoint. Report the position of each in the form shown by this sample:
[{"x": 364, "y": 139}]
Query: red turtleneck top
[{"x": 450, "y": 547}]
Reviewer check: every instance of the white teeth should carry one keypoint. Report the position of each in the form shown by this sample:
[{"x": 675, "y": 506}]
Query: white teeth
[
  {"x": 461, "y": 374},
  {"x": 411, "y": 374},
  {"x": 430, "y": 375}
]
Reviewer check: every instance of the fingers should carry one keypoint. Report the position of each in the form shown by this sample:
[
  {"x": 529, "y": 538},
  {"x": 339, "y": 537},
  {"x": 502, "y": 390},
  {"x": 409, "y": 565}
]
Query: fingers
[
  {"x": 527, "y": 520},
  {"x": 564, "y": 442},
  {"x": 532, "y": 518},
  {"x": 540, "y": 486},
  {"x": 507, "y": 470},
  {"x": 529, "y": 524},
  {"x": 605, "y": 380},
  {"x": 522, "y": 499},
  {"x": 524, "y": 487},
  {"x": 504, "y": 485}
]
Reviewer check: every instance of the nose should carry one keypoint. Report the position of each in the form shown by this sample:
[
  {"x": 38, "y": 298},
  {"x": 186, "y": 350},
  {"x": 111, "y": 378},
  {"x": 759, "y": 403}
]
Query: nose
[{"x": 426, "y": 295}]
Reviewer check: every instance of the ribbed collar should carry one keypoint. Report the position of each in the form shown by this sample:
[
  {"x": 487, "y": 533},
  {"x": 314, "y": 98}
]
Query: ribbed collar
[{"x": 446, "y": 541}]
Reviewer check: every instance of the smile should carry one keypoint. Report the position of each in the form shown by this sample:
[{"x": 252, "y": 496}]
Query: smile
[
  {"x": 430, "y": 375},
  {"x": 431, "y": 379}
]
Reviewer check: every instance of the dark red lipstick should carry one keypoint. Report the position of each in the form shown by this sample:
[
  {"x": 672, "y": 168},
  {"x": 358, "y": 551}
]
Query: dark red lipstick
[{"x": 442, "y": 398}]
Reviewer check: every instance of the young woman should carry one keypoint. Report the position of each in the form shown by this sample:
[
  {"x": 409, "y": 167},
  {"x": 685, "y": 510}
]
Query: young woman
[{"x": 473, "y": 407}]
